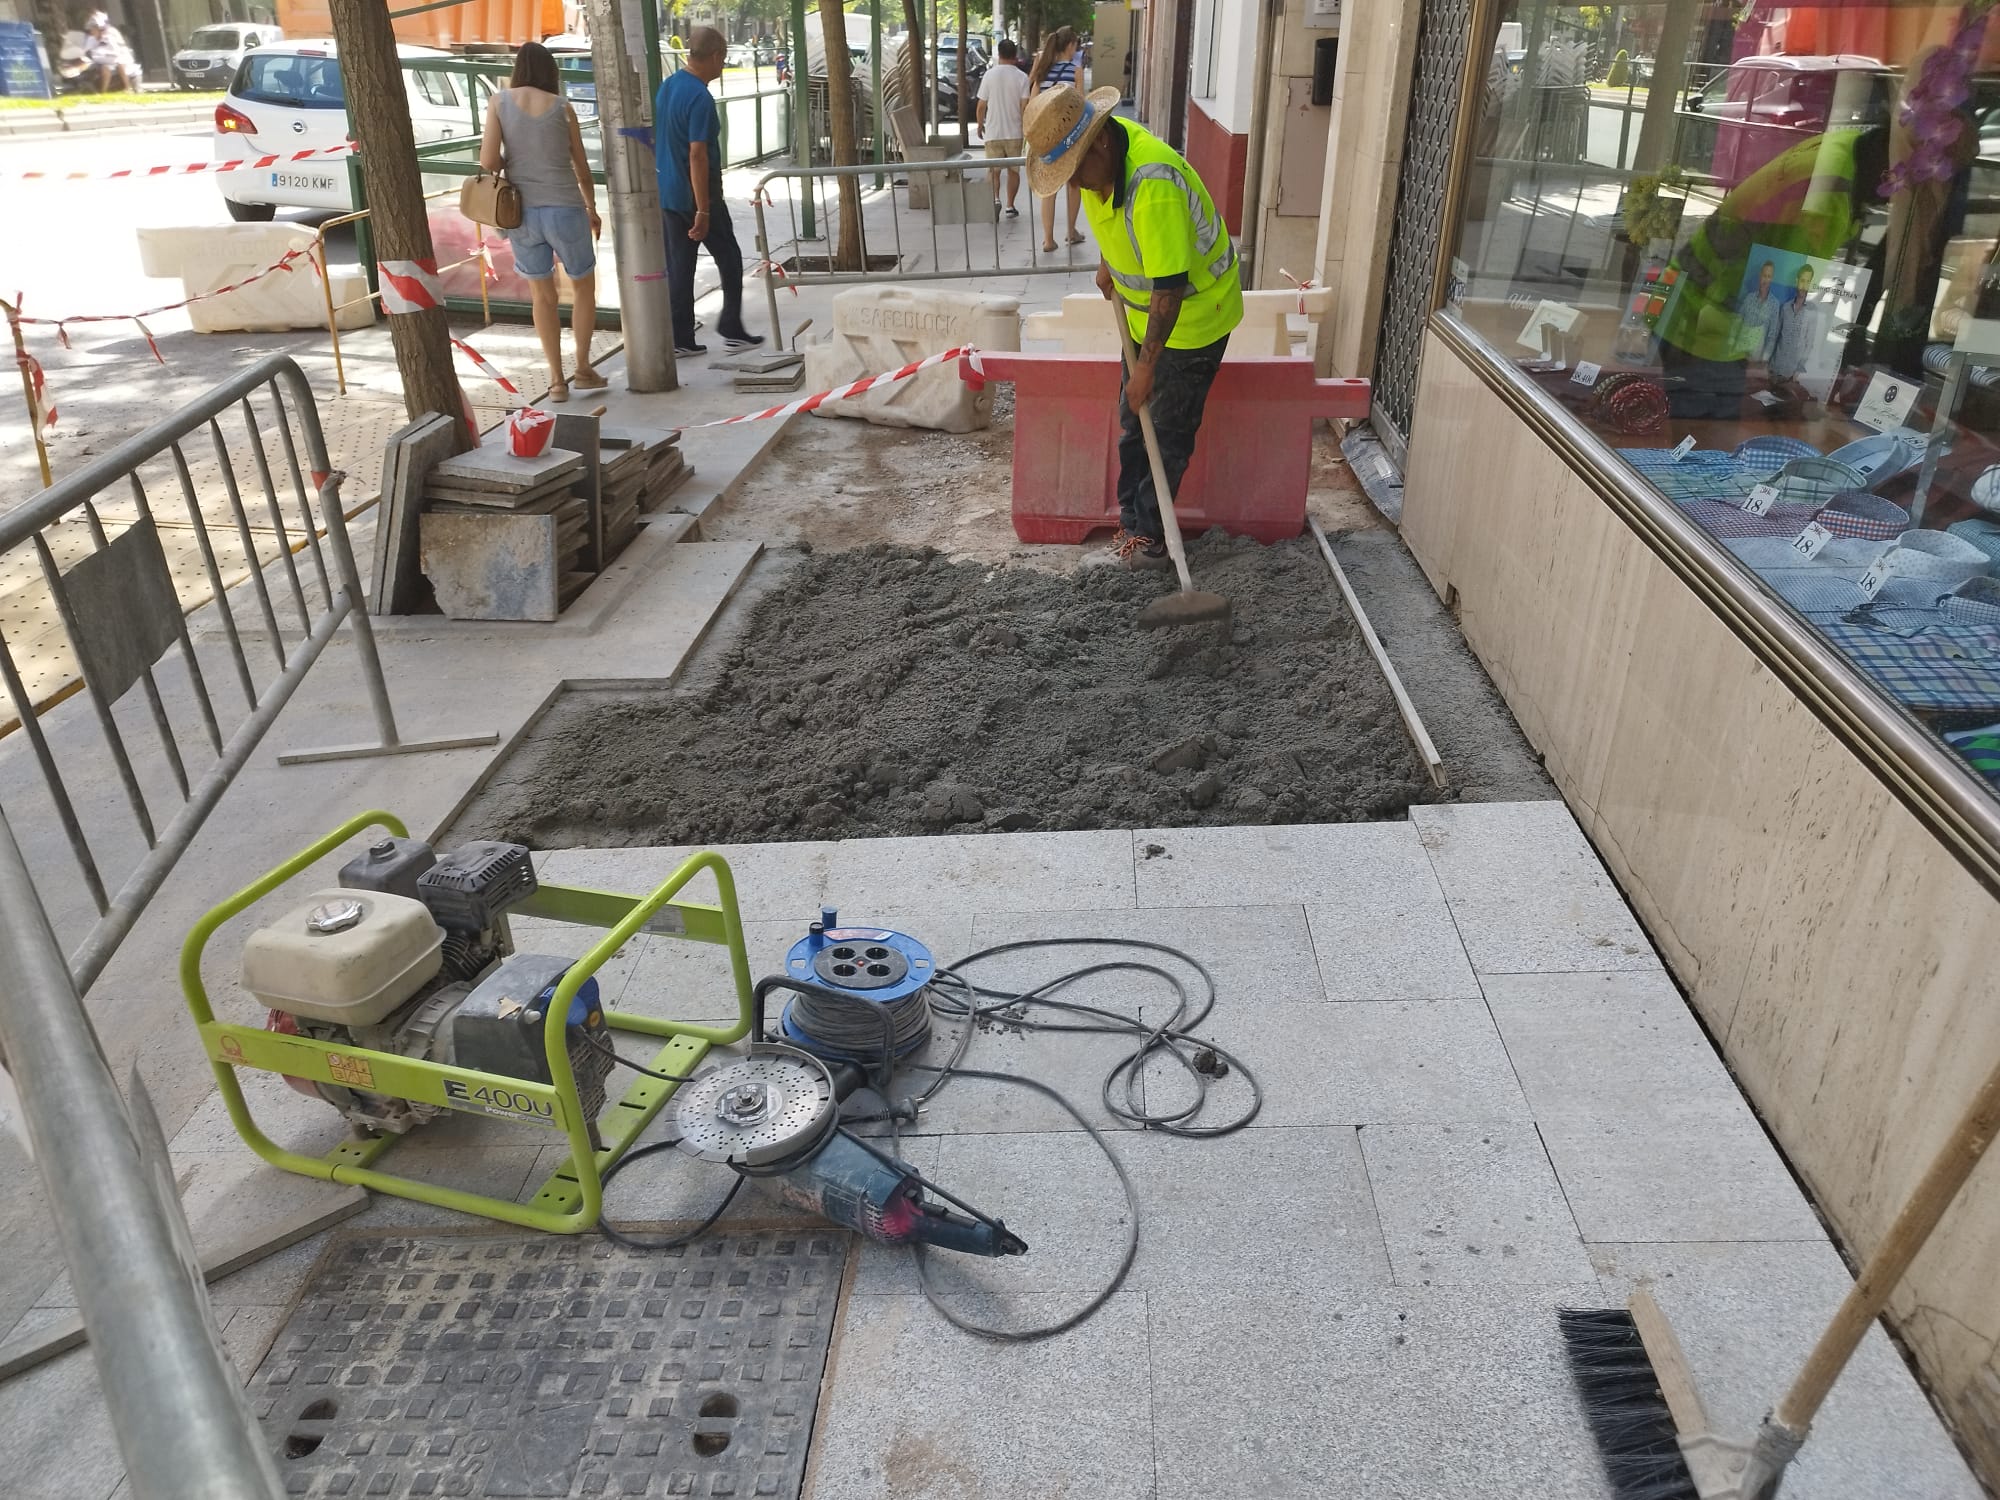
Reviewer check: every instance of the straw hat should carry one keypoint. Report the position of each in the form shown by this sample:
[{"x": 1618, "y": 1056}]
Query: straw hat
[{"x": 1060, "y": 124}]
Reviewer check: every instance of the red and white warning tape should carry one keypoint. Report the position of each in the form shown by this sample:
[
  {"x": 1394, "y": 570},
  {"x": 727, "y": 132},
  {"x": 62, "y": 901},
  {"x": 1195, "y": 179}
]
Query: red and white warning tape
[
  {"x": 842, "y": 392},
  {"x": 239, "y": 164},
  {"x": 486, "y": 367},
  {"x": 284, "y": 262},
  {"x": 409, "y": 285},
  {"x": 1305, "y": 286}
]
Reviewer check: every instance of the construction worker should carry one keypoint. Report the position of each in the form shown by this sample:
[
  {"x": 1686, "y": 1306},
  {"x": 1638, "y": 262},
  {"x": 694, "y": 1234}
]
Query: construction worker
[{"x": 1167, "y": 264}]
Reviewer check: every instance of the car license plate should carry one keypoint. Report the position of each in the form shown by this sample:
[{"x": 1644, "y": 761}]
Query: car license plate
[{"x": 312, "y": 180}]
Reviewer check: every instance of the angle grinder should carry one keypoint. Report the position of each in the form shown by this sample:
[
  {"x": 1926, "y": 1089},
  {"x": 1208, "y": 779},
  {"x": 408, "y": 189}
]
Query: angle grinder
[{"x": 776, "y": 1115}]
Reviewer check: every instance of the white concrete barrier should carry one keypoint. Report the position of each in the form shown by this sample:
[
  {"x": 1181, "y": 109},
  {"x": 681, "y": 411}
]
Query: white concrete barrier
[
  {"x": 1084, "y": 325},
  {"x": 209, "y": 256},
  {"x": 877, "y": 328}
]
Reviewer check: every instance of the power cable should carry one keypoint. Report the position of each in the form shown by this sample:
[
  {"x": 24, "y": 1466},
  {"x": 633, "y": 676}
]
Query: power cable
[{"x": 820, "y": 1013}]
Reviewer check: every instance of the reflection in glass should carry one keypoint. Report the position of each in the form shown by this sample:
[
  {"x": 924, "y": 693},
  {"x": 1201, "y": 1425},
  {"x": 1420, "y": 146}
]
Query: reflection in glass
[{"x": 1771, "y": 229}]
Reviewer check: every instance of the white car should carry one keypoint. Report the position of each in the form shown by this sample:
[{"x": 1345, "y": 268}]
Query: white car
[
  {"x": 289, "y": 96},
  {"x": 213, "y": 54}
]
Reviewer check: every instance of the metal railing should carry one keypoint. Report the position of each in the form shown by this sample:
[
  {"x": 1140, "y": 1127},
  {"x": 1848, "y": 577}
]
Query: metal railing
[
  {"x": 175, "y": 1400},
  {"x": 959, "y": 253},
  {"x": 122, "y": 613}
]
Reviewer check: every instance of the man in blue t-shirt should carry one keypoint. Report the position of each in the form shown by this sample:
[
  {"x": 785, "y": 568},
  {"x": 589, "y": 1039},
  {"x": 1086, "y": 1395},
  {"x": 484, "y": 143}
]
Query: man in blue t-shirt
[{"x": 687, "y": 151}]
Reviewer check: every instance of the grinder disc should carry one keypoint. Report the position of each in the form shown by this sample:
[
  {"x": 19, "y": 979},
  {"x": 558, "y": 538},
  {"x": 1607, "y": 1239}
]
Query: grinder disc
[{"x": 769, "y": 1106}]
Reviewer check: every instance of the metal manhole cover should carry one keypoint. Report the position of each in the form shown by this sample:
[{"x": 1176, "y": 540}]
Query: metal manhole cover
[{"x": 552, "y": 1367}]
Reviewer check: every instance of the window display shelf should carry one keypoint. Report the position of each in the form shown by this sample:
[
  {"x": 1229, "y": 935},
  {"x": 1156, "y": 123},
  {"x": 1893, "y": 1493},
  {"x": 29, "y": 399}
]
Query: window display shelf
[{"x": 1766, "y": 294}]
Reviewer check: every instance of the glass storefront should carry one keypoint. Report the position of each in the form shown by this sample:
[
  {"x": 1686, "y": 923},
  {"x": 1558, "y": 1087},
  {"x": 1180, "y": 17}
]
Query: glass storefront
[{"x": 1753, "y": 248}]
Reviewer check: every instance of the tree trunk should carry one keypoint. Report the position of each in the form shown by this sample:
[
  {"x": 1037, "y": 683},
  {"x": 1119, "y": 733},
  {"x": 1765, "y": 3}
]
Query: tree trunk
[
  {"x": 397, "y": 222},
  {"x": 840, "y": 125}
]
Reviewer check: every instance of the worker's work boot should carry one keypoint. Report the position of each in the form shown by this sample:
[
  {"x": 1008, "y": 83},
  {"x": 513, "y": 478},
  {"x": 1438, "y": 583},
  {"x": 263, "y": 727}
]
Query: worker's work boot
[
  {"x": 1130, "y": 550},
  {"x": 1145, "y": 554}
]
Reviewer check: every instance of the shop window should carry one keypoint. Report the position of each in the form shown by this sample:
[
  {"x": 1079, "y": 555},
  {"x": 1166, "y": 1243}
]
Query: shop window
[{"x": 1752, "y": 247}]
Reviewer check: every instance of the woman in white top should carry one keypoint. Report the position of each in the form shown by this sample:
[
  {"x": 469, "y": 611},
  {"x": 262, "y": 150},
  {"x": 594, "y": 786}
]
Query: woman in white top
[
  {"x": 531, "y": 133},
  {"x": 1055, "y": 65}
]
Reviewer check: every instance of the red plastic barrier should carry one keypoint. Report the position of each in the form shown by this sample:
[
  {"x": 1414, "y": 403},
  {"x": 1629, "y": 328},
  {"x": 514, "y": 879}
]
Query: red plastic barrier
[{"x": 1251, "y": 462}]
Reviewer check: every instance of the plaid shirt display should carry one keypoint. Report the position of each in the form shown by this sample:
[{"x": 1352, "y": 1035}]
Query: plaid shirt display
[
  {"x": 1947, "y": 669},
  {"x": 1704, "y": 474},
  {"x": 1733, "y": 521}
]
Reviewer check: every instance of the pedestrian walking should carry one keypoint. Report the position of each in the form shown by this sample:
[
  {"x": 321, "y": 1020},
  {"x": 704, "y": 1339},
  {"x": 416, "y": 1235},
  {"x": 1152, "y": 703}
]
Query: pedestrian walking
[
  {"x": 1169, "y": 268},
  {"x": 687, "y": 151},
  {"x": 1002, "y": 93},
  {"x": 531, "y": 134},
  {"x": 1055, "y": 67}
]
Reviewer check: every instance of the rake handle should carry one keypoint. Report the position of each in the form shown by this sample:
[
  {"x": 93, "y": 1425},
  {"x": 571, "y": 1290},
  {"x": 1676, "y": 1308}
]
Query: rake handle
[
  {"x": 1162, "y": 491},
  {"x": 1870, "y": 1293}
]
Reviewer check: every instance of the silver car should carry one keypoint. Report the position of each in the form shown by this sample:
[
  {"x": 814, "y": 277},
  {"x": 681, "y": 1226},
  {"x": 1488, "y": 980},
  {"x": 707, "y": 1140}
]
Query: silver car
[{"x": 209, "y": 59}]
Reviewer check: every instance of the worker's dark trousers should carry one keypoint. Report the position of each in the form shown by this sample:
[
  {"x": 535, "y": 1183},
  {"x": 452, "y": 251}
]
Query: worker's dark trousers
[
  {"x": 721, "y": 245},
  {"x": 1181, "y": 380}
]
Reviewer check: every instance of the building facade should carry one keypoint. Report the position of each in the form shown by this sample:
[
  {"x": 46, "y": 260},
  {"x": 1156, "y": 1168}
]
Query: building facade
[{"x": 1684, "y": 325}]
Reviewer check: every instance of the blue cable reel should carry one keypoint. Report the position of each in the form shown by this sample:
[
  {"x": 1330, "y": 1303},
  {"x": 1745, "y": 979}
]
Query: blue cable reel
[{"x": 870, "y": 969}]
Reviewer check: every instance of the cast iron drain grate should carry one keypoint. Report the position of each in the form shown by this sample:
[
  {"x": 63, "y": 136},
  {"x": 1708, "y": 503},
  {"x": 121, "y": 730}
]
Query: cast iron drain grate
[{"x": 552, "y": 1367}]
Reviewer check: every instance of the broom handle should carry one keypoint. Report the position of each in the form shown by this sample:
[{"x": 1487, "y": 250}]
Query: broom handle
[
  {"x": 1870, "y": 1294},
  {"x": 1161, "y": 489}
]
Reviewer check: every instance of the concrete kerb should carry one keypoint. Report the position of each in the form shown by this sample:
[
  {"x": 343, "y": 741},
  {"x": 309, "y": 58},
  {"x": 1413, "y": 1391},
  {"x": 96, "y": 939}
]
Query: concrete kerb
[{"x": 37, "y": 124}]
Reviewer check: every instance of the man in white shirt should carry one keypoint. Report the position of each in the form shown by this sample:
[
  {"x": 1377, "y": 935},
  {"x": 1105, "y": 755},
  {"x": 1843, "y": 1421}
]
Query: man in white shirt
[{"x": 1002, "y": 92}]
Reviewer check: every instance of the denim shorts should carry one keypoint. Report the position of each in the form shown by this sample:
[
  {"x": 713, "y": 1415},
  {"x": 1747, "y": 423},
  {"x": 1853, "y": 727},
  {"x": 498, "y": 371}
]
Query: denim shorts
[{"x": 546, "y": 233}]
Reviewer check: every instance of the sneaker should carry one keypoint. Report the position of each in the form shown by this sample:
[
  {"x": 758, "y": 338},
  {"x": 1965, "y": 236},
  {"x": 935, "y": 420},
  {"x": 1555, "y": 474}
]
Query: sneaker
[
  {"x": 1013, "y": 213},
  {"x": 689, "y": 351},
  {"x": 737, "y": 343}
]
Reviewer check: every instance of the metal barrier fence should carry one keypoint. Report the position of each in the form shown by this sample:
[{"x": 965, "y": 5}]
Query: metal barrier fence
[
  {"x": 174, "y": 1397},
  {"x": 122, "y": 611},
  {"x": 925, "y": 255}
]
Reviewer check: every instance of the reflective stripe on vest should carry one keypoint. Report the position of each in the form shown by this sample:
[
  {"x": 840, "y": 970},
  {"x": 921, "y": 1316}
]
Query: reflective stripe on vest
[
  {"x": 1212, "y": 302},
  {"x": 1207, "y": 231}
]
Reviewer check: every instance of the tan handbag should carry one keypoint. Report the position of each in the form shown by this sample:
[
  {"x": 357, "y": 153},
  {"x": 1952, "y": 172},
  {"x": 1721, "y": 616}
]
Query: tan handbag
[{"x": 489, "y": 198}]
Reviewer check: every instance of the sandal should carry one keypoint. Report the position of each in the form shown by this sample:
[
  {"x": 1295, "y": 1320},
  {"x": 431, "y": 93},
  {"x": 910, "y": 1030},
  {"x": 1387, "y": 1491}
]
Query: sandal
[
  {"x": 588, "y": 379},
  {"x": 1074, "y": 239},
  {"x": 1049, "y": 248},
  {"x": 558, "y": 391}
]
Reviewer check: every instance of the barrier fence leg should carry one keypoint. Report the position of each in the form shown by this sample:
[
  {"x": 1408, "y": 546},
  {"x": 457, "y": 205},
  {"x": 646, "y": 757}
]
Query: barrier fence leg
[{"x": 354, "y": 602}]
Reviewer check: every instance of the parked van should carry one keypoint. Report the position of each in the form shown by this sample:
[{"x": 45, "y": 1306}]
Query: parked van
[{"x": 290, "y": 97}]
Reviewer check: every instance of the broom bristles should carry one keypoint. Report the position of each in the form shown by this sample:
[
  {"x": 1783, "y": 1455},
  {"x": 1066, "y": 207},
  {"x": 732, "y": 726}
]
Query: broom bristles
[{"x": 1622, "y": 1402}]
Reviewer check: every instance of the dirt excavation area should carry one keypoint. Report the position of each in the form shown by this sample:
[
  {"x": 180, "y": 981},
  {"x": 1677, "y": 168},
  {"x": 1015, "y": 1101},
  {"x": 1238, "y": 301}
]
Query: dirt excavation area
[{"x": 892, "y": 690}]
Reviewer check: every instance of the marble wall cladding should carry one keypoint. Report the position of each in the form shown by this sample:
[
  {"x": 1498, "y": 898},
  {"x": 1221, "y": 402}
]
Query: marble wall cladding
[{"x": 1844, "y": 961}]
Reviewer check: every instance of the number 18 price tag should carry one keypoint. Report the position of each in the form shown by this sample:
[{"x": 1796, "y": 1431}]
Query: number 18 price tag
[
  {"x": 1760, "y": 499},
  {"x": 1809, "y": 542},
  {"x": 1873, "y": 579}
]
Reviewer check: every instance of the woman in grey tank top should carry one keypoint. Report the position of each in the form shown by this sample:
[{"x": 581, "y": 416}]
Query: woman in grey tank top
[{"x": 531, "y": 134}]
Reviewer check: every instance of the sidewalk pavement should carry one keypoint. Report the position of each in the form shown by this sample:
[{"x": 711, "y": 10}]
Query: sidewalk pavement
[{"x": 1483, "y": 1100}]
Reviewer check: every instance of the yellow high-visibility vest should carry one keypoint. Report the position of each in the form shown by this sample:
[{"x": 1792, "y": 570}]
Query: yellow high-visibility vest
[{"x": 1167, "y": 224}]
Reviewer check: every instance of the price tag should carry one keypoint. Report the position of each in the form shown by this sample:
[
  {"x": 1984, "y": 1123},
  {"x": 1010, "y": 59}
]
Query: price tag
[
  {"x": 1760, "y": 499},
  {"x": 1873, "y": 579},
  {"x": 1682, "y": 449},
  {"x": 1586, "y": 372},
  {"x": 1809, "y": 542}
]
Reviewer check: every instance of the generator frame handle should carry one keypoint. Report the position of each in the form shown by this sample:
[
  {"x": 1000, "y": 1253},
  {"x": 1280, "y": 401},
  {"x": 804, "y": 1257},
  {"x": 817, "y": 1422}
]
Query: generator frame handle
[{"x": 572, "y": 1198}]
